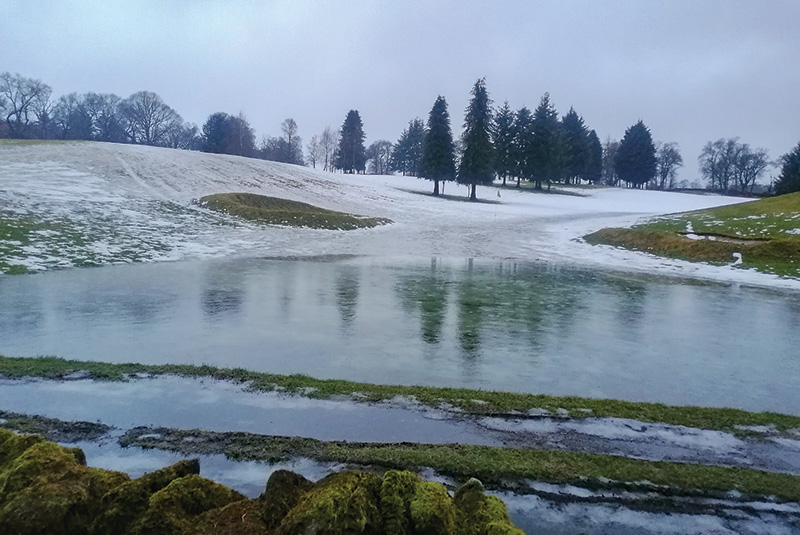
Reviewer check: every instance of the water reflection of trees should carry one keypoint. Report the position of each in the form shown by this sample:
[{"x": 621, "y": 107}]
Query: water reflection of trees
[
  {"x": 21, "y": 312},
  {"x": 429, "y": 294},
  {"x": 521, "y": 301},
  {"x": 347, "y": 285},
  {"x": 631, "y": 296},
  {"x": 223, "y": 293}
]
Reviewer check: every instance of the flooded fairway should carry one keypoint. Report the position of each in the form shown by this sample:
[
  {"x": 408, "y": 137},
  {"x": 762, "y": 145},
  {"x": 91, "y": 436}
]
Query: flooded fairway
[{"x": 503, "y": 325}]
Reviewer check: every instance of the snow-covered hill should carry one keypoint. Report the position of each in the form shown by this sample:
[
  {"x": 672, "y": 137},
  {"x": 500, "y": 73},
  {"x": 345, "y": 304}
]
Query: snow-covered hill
[{"x": 108, "y": 203}]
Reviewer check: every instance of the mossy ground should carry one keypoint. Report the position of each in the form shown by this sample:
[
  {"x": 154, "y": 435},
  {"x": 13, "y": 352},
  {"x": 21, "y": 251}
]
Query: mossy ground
[
  {"x": 498, "y": 466},
  {"x": 275, "y": 211},
  {"x": 765, "y": 232},
  {"x": 467, "y": 400}
]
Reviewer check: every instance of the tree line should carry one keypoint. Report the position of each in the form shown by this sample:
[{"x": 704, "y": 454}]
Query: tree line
[{"x": 537, "y": 147}]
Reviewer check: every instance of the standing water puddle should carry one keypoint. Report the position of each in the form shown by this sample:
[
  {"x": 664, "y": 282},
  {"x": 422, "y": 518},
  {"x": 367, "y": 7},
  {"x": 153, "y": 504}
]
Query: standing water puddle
[{"x": 502, "y": 325}]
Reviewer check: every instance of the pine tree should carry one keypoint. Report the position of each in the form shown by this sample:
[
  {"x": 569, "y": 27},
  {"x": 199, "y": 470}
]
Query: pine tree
[
  {"x": 351, "y": 155},
  {"x": 594, "y": 166},
  {"x": 635, "y": 161},
  {"x": 576, "y": 145},
  {"x": 477, "y": 161},
  {"x": 547, "y": 148},
  {"x": 523, "y": 145},
  {"x": 504, "y": 136},
  {"x": 407, "y": 152},
  {"x": 438, "y": 162},
  {"x": 789, "y": 179}
]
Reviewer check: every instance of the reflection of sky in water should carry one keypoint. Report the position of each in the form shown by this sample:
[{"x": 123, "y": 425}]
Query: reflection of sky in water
[{"x": 484, "y": 324}]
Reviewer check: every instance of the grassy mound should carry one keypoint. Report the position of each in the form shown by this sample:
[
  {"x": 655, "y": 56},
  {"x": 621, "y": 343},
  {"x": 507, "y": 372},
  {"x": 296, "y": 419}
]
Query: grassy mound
[
  {"x": 765, "y": 232},
  {"x": 275, "y": 211}
]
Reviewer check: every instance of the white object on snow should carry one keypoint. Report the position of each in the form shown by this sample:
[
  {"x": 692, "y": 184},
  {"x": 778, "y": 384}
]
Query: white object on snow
[{"x": 737, "y": 259}]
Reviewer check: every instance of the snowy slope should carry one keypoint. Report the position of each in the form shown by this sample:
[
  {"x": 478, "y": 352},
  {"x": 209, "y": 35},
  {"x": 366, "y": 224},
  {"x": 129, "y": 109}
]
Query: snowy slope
[{"x": 133, "y": 203}]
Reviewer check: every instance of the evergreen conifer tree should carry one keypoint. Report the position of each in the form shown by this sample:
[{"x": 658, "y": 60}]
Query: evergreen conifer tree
[
  {"x": 407, "y": 152},
  {"x": 523, "y": 145},
  {"x": 594, "y": 168},
  {"x": 438, "y": 161},
  {"x": 789, "y": 179},
  {"x": 477, "y": 161},
  {"x": 635, "y": 161},
  {"x": 576, "y": 145},
  {"x": 547, "y": 148},
  {"x": 504, "y": 136},
  {"x": 351, "y": 155}
]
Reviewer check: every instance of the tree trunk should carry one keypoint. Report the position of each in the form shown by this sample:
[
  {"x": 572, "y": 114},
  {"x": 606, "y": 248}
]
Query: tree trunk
[
  {"x": 472, "y": 195},
  {"x": 436, "y": 187}
]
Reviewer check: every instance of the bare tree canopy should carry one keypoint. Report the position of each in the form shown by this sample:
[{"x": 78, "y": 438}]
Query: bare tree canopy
[
  {"x": 328, "y": 141},
  {"x": 148, "y": 118},
  {"x": 668, "y": 160},
  {"x": 379, "y": 157},
  {"x": 313, "y": 151},
  {"x": 730, "y": 165},
  {"x": 20, "y": 100}
]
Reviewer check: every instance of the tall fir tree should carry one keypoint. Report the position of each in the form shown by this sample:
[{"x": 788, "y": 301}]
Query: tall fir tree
[
  {"x": 504, "y": 134},
  {"x": 351, "y": 155},
  {"x": 789, "y": 179},
  {"x": 594, "y": 166},
  {"x": 635, "y": 161},
  {"x": 477, "y": 160},
  {"x": 438, "y": 161},
  {"x": 547, "y": 148},
  {"x": 524, "y": 161},
  {"x": 407, "y": 152},
  {"x": 576, "y": 145}
]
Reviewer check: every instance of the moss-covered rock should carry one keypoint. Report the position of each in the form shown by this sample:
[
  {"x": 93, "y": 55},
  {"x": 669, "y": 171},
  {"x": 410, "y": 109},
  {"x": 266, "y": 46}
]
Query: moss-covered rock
[
  {"x": 479, "y": 514},
  {"x": 283, "y": 492},
  {"x": 45, "y": 488},
  {"x": 342, "y": 503},
  {"x": 171, "y": 510},
  {"x": 238, "y": 518},
  {"x": 410, "y": 505},
  {"x": 130, "y": 500}
]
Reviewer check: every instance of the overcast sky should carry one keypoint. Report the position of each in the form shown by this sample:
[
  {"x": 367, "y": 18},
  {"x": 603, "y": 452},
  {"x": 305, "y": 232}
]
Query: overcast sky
[{"x": 693, "y": 71}]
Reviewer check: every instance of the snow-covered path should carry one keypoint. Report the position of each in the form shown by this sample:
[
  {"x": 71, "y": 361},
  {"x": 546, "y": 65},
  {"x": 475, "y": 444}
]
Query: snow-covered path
[{"x": 134, "y": 203}]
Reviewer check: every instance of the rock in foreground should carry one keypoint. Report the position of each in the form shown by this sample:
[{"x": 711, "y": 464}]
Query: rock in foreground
[{"x": 46, "y": 488}]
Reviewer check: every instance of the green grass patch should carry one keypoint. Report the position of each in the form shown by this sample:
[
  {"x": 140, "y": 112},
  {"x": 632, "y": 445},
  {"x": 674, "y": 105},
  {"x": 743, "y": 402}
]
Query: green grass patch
[
  {"x": 468, "y": 400},
  {"x": 490, "y": 464},
  {"x": 275, "y": 211},
  {"x": 765, "y": 232}
]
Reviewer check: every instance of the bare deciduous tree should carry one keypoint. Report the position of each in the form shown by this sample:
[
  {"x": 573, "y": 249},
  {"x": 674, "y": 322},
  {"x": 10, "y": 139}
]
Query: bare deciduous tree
[
  {"x": 379, "y": 157},
  {"x": 728, "y": 164},
  {"x": 328, "y": 141},
  {"x": 148, "y": 118},
  {"x": 609, "y": 174},
  {"x": 668, "y": 160},
  {"x": 313, "y": 151},
  {"x": 20, "y": 97}
]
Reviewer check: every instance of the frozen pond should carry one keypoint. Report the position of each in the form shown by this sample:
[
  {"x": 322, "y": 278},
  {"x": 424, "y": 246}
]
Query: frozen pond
[{"x": 541, "y": 328}]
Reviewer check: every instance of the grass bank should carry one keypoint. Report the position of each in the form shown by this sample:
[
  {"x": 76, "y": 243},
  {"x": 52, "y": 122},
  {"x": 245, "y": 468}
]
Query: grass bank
[
  {"x": 765, "y": 232},
  {"x": 467, "y": 400},
  {"x": 495, "y": 466},
  {"x": 275, "y": 211}
]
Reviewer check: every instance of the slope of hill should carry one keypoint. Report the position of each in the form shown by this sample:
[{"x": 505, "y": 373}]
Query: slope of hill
[{"x": 68, "y": 204}]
